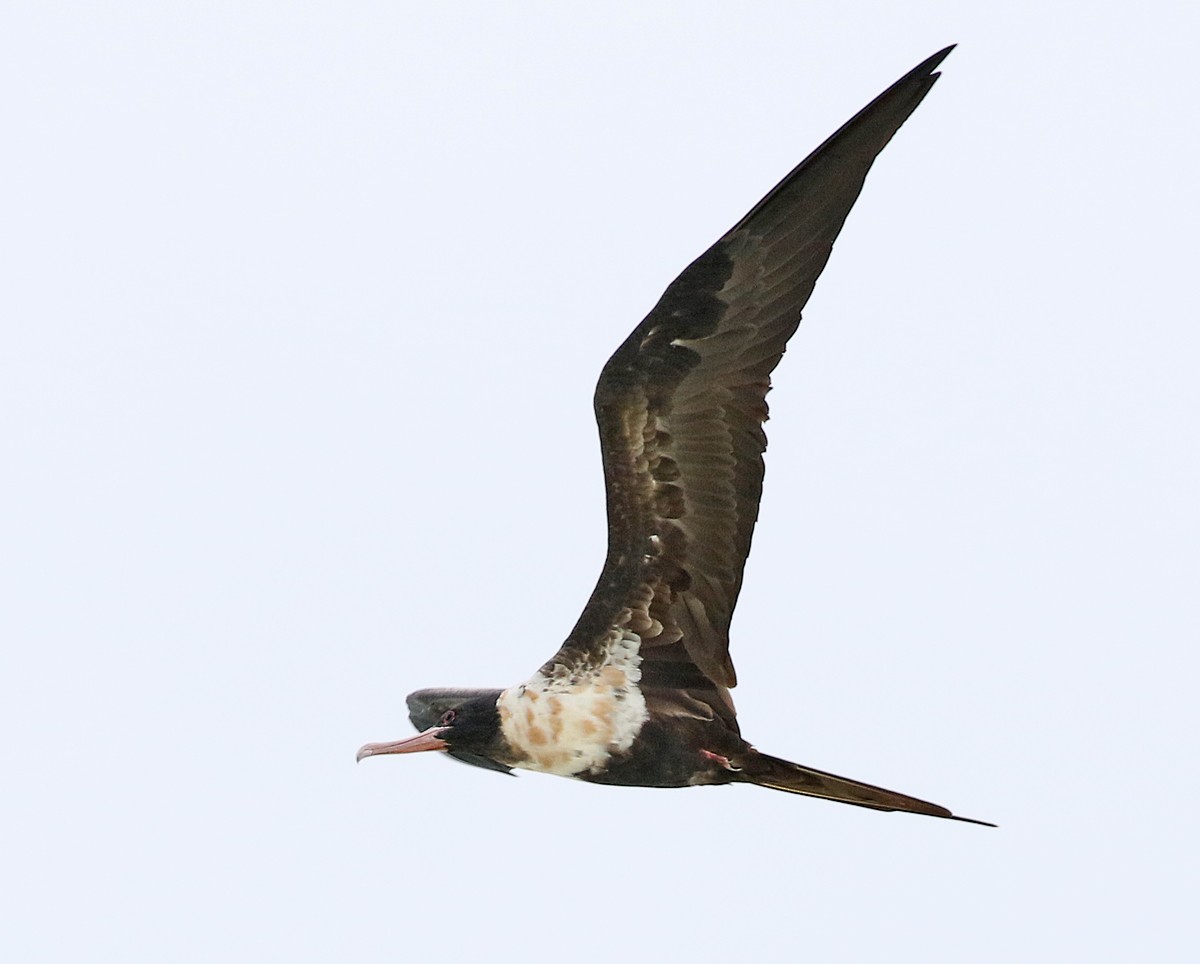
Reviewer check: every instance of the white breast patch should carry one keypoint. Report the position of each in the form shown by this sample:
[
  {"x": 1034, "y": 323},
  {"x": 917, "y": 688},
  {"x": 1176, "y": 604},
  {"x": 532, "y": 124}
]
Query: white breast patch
[{"x": 571, "y": 724}]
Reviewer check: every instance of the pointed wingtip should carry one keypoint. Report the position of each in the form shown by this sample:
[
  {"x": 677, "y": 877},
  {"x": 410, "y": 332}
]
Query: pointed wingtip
[
  {"x": 927, "y": 69},
  {"x": 935, "y": 60}
]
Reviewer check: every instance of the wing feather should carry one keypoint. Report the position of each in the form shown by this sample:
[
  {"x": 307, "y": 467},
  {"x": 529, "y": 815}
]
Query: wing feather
[{"x": 681, "y": 405}]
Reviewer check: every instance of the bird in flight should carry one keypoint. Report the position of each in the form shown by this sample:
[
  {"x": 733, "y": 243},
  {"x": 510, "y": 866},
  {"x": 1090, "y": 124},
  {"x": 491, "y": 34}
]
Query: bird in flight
[{"x": 638, "y": 695}]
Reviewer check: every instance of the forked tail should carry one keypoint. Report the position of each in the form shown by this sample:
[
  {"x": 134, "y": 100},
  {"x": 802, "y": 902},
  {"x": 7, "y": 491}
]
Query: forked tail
[{"x": 768, "y": 771}]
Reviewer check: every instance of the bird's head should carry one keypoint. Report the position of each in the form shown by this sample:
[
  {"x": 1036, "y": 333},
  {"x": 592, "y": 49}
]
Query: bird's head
[{"x": 464, "y": 723}]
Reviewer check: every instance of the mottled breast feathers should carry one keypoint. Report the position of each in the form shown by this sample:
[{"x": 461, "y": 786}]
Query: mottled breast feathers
[{"x": 681, "y": 406}]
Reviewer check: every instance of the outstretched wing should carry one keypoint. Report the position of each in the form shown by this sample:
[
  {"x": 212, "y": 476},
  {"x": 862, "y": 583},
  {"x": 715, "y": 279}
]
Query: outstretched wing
[{"x": 681, "y": 405}]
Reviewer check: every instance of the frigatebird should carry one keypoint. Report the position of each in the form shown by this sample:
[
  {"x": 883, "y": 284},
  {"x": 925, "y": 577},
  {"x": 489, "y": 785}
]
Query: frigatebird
[{"x": 638, "y": 695}]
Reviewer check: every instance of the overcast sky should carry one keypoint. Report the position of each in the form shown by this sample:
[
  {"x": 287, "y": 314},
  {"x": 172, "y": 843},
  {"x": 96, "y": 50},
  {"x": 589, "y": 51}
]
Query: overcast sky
[{"x": 303, "y": 305}]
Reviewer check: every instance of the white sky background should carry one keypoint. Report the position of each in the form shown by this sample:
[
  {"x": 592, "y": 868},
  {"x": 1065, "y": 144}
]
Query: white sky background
[{"x": 303, "y": 306}]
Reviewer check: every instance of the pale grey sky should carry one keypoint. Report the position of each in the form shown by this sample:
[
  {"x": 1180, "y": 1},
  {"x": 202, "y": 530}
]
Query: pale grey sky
[{"x": 303, "y": 308}]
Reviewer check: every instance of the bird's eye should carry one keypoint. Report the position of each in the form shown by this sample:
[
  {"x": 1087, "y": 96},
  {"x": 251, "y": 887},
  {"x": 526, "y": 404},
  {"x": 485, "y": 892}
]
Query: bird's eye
[{"x": 447, "y": 718}]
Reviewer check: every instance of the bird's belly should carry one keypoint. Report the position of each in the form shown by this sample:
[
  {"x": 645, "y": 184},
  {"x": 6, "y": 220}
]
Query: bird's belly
[
  {"x": 572, "y": 728},
  {"x": 666, "y": 755}
]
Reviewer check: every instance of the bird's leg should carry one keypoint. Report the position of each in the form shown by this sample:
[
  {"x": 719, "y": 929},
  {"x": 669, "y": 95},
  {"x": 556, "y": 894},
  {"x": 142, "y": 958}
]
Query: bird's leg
[{"x": 720, "y": 760}]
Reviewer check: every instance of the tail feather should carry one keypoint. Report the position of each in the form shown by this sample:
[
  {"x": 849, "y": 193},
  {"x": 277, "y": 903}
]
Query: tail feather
[{"x": 768, "y": 771}]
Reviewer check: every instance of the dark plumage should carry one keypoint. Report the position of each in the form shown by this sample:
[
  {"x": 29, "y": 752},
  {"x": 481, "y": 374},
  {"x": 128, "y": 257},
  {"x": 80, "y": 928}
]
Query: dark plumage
[{"x": 638, "y": 694}]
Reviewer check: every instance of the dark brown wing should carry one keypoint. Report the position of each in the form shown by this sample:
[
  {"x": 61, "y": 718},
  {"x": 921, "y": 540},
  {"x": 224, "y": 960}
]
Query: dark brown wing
[{"x": 681, "y": 405}]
